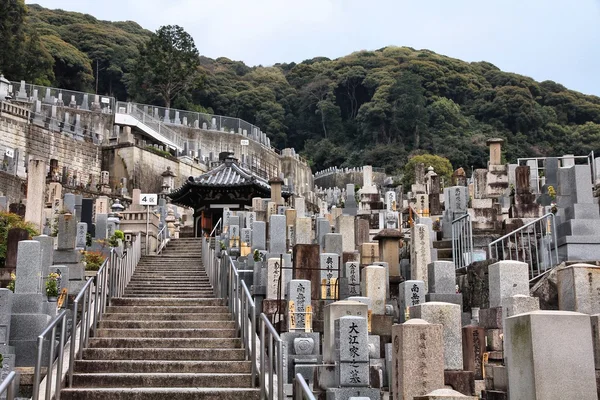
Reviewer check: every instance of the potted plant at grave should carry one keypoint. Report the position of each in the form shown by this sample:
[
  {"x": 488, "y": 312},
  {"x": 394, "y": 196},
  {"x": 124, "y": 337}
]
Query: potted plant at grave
[
  {"x": 256, "y": 256},
  {"x": 222, "y": 248},
  {"x": 437, "y": 228},
  {"x": 52, "y": 286}
]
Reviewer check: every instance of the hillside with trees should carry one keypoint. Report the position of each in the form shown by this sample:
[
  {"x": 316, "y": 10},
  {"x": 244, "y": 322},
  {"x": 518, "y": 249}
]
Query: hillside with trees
[{"x": 375, "y": 107}]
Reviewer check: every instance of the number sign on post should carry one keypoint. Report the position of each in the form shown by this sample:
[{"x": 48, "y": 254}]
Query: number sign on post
[{"x": 148, "y": 199}]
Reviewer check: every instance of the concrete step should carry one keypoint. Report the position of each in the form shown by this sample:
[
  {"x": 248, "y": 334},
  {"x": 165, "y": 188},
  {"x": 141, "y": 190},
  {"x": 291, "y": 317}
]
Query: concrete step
[
  {"x": 196, "y": 343},
  {"x": 189, "y": 333},
  {"x": 187, "y": 354},
  {"x": 168, "y": 317},
  {"x": 160, "y": 394},
  {"x": 167, "y": 302},
  {"x": 141, "y": 380},
  {"x": 153, "y": 309},
  {"x": 169, "y": 287},
  {"x": 161, "y": 366},
  {"x": 106, "y": 324},
  {"x": 162, "y": 295}
]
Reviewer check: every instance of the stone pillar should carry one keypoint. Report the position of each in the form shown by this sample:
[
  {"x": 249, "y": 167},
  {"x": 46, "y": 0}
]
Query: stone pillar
[
  {"x": 450, "y": 316},
  {"x": 373, "y": 285},
  {"x": 333, "y": 312},
  {"x": 389, "y": 249},
  {"x": 276, "y": 184},
  {"x": 420, "y": 254},
  {"x": 549, "y": 355},
  {"x": 36, "y": 187},
  {"x": 495, "y": 145},
  {"x": 417, "y": 359}
]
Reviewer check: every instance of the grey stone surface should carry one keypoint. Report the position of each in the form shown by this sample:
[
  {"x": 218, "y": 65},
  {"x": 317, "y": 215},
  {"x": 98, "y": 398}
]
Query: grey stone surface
[
  {"x": 410, "y": 293},
  {"x": 250, "y": 218},
  {"x": 454, "y": 298},
  {"x": 299, "y": 292},
  {"x": 29, "y": 267},
  {"x": 448, "y": 315},
  {"x": 69, "y": 203},
  {"x": 24, "y": 331},
  {"x": 348, "y": 393},
  {"x": 332, "y": 243},
  {"x": 388, "y": 364},
  {"x": 81, "y": 237},
  {"x": 354, "y": 374},
  {"x": 335, "y": 311},
  {"x": 67, "y": 257},
  {"x": 67, "y": 231},
  {"x": 582, "y": 211},
  {"x": 506, "y": 279},
  {"x": 546, "y": 360},
  {"x": 352, "y": 339},
  {"x": 259, "y": 240},
  {"x": 351, "y": 272},
  {"x": 246, "y": 236},
  {"x": 579, "y": 288},
  {"x": 442, "y": 277},
  {"x": 47, "y": 249},
  {"x": 6, "y": 308},
  {"x": 373, "y": 285},
  {"x": 28, "y": 303},
  {"x": 323, "y": 228},
  {"x": 417, "y": 359},
  {"x": 277, "y": 234},
  {"x": 101, "y": 228}
]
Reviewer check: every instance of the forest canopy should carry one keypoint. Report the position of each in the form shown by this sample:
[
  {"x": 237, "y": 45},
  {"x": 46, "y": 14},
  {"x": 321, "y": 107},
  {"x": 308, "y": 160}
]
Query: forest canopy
[{"x": 377, "y": 107}]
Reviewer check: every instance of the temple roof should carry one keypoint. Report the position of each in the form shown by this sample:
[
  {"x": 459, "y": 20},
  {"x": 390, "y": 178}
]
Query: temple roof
[{"x": 229, "y": 181}]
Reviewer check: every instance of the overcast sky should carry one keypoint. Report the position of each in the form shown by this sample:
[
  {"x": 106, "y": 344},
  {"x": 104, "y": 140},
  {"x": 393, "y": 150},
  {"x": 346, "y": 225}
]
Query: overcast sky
[{"x": 545, "y": 39}]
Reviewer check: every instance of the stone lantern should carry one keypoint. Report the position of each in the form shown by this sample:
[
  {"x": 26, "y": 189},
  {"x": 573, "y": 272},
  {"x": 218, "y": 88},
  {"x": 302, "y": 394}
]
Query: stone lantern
[
  {"x": 115, "y": 214},
  {"x": 168, "y": 180},
  {"x": 389, "y": 249}
]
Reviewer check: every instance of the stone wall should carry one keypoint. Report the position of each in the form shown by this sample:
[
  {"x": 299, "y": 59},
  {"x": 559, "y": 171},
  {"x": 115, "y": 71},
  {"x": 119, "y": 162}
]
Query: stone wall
[
  {"x": 83, "y": 158},
  {"x": 341, "y": 178},
  {"x": 12, "y": 187},
  {"x": 143, "y": 168}
]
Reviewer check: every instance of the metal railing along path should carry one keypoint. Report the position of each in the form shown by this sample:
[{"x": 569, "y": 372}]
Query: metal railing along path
[
  {"x": 533, "y": 243},
  {"x": 462, "y": 241},
  {"x": 302, "y": 390},
  {"x": 87, "y": 309},
  {"x": 226, "y": 282},
  {"x": 163, "y": 238},
  {"x": 9, "y": 386}
]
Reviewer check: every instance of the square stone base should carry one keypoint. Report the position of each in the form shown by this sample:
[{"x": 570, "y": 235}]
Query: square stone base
[{"x": 347, "y": 393}]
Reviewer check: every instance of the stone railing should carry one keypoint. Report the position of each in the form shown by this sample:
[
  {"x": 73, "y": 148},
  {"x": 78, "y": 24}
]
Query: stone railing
[{"x": 13, "y": 109}]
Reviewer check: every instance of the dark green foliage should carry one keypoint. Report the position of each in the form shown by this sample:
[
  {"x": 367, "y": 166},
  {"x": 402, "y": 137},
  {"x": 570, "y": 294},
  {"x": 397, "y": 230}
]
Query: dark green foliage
[{"x": 370, "y": 107}]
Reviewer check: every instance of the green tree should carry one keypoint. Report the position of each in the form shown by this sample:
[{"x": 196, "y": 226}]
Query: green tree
[
  {"x": 441, "y": 166},
  {"x": 167, "y": 66},
  {"x": 12, "y": 36}
]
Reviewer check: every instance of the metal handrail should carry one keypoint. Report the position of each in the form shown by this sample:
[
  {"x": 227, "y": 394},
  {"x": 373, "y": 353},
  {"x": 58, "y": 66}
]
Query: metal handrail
[
  {"x": 302, "y": 390},
  {"x": 269, "y": 359},
  {"x": 219, "y": 223},
  {"x": 543, "y": 231},
  {"x": 226, "y": 282},
  {"x": 9, "y": 385},
  {"x": 49, "y": 335},
  {"x": 462, "y": 240},
  {"x": 163, "y": 239},
  {"x": 90, "y": 303}
]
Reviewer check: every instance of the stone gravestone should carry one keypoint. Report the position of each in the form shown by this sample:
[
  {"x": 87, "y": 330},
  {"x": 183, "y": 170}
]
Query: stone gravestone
[
  {"x": 299, "y": 296},
  {"x": 306, "y": 258},
  {"x": 47, "y": 249},
  {"x": 259, "y": 240},
  {"x": 506, "y": 279},
  {"x": 420, "y": 254},
  {"x": 87, "y": 214},
  {"x": 277, "y": 234},
  {"x": 81, "y": 238},
  {"x": 549, "y": 356},
  {"x": 353, "y": 353},
  {"x": 373, "y": 285},
  {"x": 410, "y": 293},
  {"x": 36, "y": 187},
  {"x": 67, "y": 231},
  {"x": 28, "y": 318},
  {"x": 352, "y": 279},
  {"x": 69, "y": 203},
  {"x": 333, "y": 312},
  {"x": 473, "y": 342},
  {"x": 329, "y": 263},
  {"x": 303, "y": 230},
  {"x": 14, "y": 236},
  {"x": 417, "y": 359},
  {"x": 274, "y": 278},
  {"x": 450, "y": 316},
  {"x": 101, "y": 226},
  {"x": 579, "y": 288}
]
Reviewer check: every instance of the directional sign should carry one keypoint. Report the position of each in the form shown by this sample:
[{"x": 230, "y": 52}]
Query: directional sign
[
  {"x": 9, "y": 152},
  {"x": 149, "y": 199},
  {"x": 244, "y": 142}
]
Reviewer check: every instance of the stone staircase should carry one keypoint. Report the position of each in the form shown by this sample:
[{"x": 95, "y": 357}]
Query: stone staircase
[{"x": 166, "y": 338}]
